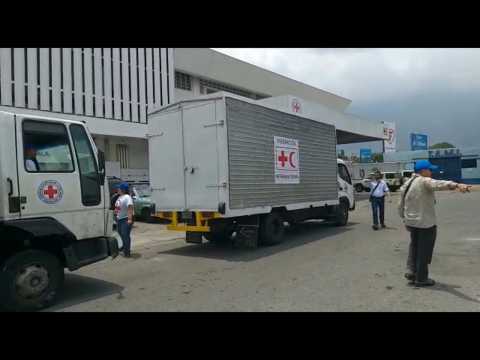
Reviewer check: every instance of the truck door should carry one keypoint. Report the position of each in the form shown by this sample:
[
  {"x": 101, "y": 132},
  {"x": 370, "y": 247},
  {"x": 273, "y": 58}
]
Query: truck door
[
  {"x": 9, "y": 199},
  {"x": 201, "y": 157},
  {"x": 58, "y": 175},
  {"x": 165, "y": 148},
  {"x": 345, "y": 183}
]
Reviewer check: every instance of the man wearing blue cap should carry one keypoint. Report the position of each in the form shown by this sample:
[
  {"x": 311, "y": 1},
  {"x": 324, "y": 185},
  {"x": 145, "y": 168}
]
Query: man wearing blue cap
[
  {"x": 124, "y": 215},
  {"x": 417, "y": 209}
]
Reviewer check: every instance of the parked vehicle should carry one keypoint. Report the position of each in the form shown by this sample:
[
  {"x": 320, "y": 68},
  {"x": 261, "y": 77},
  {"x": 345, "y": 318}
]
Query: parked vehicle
[
  {"x": 239, "y": 170},
  {"x": 54, "y": 207},
  {"x": 361, "y": 173},
  {"x": 144, "y": 206},
  {"x": 393, "y": 180}
]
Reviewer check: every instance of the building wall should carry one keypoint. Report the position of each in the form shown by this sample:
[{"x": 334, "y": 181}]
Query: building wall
[
  {"x": 468, "y": 175},
  {"x": 90, "y": 83},
  {"x": 212, "y": 65}
]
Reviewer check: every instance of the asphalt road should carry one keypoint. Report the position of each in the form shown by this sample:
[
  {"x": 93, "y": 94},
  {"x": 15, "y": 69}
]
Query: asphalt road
[{"x": 318, "y": 268}]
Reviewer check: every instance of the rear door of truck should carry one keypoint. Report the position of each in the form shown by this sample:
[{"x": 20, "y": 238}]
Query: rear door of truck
[
  {"x": 200, "y": 126},
  {"x": 184, "y": 157}
]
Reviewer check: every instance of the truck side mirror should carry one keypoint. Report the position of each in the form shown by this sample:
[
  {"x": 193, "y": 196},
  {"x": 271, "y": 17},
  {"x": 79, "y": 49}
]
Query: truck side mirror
[{"x": 101, "y": 167}]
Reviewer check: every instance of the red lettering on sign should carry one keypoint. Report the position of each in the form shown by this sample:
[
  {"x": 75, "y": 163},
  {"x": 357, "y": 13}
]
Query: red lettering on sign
[
  {"x": 50, "y": 192},
  {"x": 282, "y": 158}
]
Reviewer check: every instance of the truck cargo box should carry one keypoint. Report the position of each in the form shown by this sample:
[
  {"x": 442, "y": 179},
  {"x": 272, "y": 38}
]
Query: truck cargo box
[{"x": 229, "y": 154}]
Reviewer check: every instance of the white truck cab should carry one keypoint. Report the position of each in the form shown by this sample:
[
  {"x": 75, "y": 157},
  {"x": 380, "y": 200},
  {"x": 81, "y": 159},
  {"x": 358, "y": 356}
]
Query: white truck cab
[
  {"x": 345, "y": 184},
  {"x": 54, "y": 207}
]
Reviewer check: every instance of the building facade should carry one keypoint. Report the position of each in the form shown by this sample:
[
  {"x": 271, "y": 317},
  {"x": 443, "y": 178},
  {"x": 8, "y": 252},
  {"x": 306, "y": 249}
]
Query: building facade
[
  {"x": 460, "y": 164},
  {"x": 114, "y": 89}
]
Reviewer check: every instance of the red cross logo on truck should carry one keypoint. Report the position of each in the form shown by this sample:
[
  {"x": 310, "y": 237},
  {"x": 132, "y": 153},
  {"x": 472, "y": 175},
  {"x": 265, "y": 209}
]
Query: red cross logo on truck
[
  {"x": 51, "y": 192},
  {"x": 283, "y": 159}
]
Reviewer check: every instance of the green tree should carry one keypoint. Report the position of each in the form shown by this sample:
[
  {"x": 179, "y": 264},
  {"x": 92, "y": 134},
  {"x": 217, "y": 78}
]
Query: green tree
[
  {"x": 442, "y": 145},
  {"x": 377, "y": 157}
]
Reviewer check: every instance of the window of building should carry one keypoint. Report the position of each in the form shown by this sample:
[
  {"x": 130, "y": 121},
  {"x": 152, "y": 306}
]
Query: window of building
[
  {"x": 122, "y": 155},
  {"x": 183, "y": 81},
  {"x": 208, "y": 87},
  {"x": 46, "y": 147},
  {"x": 87, "y": 165},
  {"x": 469, "y": 163}
]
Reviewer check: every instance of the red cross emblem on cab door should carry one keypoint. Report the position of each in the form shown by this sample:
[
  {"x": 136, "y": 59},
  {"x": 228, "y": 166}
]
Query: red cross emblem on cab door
[{"x": 50, "y": 192}]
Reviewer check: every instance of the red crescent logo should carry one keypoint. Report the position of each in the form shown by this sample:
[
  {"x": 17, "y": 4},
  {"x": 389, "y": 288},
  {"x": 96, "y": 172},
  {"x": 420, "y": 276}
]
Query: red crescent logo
[{"x": 290, "y": 159}]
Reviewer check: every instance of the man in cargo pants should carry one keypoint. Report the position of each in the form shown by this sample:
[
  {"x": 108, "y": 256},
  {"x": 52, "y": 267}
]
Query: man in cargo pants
[{"x": 417, "y": 209}]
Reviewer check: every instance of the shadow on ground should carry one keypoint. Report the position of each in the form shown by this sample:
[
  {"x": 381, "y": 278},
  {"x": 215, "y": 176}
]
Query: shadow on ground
[
  {"x": 452, "y": 289},
  {"x": 295, "y": 236},
  {"x": 79, "y": 289}
]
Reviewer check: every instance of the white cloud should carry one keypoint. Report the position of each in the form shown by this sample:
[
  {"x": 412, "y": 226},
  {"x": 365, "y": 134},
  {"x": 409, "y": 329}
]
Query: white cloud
[
  {"x": 434, "y": 91},
  {"x": 371, "y": 74}
]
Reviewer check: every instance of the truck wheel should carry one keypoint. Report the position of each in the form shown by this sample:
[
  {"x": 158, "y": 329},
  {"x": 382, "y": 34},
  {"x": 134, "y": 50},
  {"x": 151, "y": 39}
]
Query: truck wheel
[
  {"x": 272, "y": 229},
  {"x": 30, "y": 281},
  {"x": 358, "y": 187},
  {"x": 341, "y": 217}
]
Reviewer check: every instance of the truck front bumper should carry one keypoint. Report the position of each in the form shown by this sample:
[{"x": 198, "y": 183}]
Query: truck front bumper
[{"x": 86, "y": 252}]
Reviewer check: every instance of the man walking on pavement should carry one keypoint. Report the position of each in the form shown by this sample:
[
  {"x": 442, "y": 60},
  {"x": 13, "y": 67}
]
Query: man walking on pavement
[
  {"x": 378, "y": 189},
  {"x": 417, "y": 209},
  {"x": 124, "y": 215}
]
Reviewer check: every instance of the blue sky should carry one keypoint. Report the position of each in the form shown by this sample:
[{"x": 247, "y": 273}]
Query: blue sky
[{"x": 431, "y": 91}]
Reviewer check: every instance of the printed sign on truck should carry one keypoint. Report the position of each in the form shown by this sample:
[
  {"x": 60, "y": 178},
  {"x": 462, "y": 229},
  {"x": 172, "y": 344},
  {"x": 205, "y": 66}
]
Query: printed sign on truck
[{"x": 287, "y": 160}]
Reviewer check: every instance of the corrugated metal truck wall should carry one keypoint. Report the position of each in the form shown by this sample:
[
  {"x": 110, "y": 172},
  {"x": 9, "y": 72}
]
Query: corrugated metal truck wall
[{"x": 251, "y": 131}]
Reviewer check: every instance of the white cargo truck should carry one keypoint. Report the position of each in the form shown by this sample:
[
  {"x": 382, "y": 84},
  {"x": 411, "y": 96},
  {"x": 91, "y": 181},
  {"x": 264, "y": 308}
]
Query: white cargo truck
[
  {"x": 54, "y": 207},
  {"x": 223, "y": 166}
]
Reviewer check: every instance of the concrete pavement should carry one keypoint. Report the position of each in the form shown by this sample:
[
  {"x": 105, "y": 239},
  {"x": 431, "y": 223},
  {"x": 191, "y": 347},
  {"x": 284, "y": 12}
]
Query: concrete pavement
[{"x": 318, "y": 268}]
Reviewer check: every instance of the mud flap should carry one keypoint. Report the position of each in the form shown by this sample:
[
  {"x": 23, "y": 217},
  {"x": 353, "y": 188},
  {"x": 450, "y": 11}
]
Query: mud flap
[
  {"x": 193, "y": 237},
  {"x": 246, "y": 237}
]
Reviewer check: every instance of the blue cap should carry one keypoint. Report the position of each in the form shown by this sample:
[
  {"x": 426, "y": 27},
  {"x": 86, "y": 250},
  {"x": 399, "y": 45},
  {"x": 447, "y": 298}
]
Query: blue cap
[
  {"x": 425, "y": 165},
  {"x": 124, "y": 186}
]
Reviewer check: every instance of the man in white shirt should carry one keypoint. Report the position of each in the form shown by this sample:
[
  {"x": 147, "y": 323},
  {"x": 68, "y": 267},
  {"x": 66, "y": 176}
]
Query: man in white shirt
[
  {"x": 378, "y": 190},
  {"x": 417, "y": 209},
  {"x": 124, "y": 215},
  {"x": 31, "y": 163}
]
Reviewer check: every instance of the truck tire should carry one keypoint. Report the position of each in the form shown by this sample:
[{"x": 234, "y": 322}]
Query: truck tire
[
  {"x": 358, "y": 188},
  {"x": 272, "y": 229},
  {"x": 30, "y": 281},
  {"x": 341, "y": 216}
]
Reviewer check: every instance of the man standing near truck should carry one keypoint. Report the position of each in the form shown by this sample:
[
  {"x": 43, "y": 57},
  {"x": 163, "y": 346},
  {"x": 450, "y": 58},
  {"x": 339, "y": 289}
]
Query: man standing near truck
[
  {"x": 417, "y": 209},
  {"x": 124, "y": 215},
  {"x": 378, "y": 190}
]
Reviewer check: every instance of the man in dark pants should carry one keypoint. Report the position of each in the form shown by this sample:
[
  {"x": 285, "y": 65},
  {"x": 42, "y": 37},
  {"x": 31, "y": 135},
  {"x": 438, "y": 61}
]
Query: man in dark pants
[
  {"x": 124, "y": 214},
  {"x": 378, "y": 190},
  {"x": 417, "y": 208}
]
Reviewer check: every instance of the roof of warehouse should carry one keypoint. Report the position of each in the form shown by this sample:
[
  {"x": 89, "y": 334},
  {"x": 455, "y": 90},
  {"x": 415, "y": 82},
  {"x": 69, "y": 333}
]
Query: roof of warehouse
[{"x": 210, "y": 64}]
